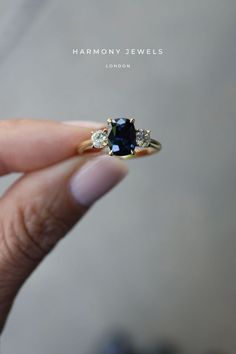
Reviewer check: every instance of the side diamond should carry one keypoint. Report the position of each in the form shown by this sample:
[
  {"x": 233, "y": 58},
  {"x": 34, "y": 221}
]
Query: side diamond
[
  {"x": 143, "y": 138},
  {"x": 99, "y": 139}
]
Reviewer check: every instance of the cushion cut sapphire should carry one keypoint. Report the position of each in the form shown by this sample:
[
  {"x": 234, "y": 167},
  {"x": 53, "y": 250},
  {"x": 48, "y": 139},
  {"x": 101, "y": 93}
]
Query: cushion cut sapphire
[{"x": 121, "y": 136}]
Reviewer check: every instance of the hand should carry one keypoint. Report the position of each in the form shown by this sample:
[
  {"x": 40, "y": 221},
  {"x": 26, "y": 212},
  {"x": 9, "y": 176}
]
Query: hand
[{"x": 55, "y": 191}]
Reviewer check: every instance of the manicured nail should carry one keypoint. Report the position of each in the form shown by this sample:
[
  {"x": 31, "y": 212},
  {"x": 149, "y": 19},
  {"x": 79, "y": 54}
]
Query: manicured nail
[
  {"x": 96, "y": 178},
  {"x": 84, "y": 123}
]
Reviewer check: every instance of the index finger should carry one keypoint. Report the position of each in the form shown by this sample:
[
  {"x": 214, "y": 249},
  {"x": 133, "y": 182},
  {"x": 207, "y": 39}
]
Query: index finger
[{"x": 27, "y": 144}]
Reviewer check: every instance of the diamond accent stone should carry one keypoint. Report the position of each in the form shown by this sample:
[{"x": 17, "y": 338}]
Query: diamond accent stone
[
  {"x": 99, "y": 139},
  {"x": 143, "y": 137}
]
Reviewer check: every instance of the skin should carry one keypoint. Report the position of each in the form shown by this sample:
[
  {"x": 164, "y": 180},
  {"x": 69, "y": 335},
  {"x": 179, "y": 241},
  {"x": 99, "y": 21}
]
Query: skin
[{"x": 56, "y": 189}]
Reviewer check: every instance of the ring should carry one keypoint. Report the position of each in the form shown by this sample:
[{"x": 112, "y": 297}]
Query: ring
[{"x": 121, "y": 138}]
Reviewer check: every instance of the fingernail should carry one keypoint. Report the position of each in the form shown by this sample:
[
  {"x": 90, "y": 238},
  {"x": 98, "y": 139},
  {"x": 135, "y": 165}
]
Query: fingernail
[
  {"x": 96, "y": 178},
  {"x": 84, "y": 123}
]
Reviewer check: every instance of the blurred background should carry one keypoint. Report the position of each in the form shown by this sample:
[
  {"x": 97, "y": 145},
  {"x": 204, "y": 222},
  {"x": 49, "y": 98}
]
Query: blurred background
[{"x": 157, "y": 257}]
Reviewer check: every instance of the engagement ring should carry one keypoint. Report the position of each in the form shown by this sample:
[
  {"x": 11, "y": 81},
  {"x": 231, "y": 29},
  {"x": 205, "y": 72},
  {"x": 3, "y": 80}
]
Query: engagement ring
[{"x": 121, "y": 138}]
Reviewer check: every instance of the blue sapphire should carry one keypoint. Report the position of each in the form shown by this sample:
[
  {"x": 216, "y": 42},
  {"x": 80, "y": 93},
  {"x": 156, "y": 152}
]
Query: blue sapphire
[{"x": 121, "y": 136}]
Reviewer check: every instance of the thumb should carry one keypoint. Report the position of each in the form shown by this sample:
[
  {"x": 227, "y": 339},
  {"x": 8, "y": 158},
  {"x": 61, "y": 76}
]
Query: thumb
[{"x": 40, "y": 208}]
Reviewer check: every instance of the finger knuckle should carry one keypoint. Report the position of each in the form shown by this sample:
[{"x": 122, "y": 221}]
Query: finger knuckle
[
  {"x": 42, "y": 225},
  {"x": 16, "y": 245},
  {"x": 28, "y": 233}
]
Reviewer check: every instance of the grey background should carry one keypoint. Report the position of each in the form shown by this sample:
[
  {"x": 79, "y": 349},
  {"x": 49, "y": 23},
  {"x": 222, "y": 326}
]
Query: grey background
[{"x": 158, "y": 255}]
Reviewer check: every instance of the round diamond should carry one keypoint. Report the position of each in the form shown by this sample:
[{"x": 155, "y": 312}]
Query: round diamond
[
  {"x": 99, "y": 139},
  {"x": 143, "y": 138}
]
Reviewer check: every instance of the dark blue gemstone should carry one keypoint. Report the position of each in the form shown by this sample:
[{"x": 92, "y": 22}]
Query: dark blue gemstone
[{"x": 121, "y": 137}]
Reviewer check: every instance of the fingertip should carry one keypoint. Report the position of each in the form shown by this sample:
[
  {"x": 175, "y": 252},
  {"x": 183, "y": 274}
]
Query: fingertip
[{"x": 95, "y": 178}]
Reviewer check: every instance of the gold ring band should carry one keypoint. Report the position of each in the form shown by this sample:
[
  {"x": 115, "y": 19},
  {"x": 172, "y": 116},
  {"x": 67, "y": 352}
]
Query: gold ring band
[{"x": 121, "y": 139}]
